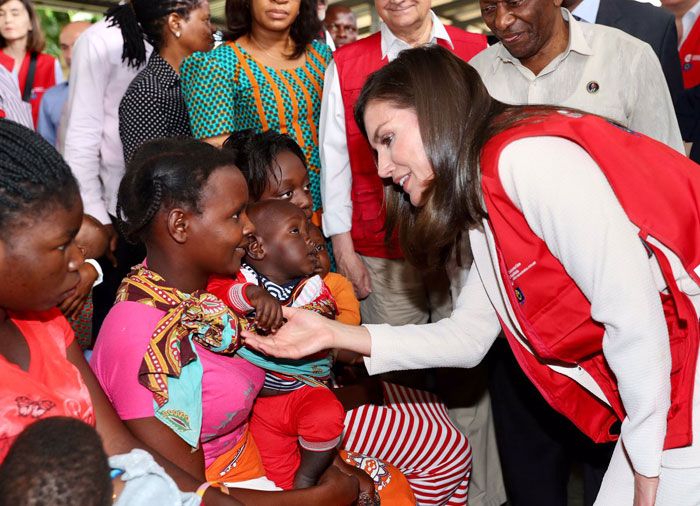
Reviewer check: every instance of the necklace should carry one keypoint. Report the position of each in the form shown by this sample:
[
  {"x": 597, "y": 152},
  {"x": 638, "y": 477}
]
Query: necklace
[{"x": 264, "y": 50}]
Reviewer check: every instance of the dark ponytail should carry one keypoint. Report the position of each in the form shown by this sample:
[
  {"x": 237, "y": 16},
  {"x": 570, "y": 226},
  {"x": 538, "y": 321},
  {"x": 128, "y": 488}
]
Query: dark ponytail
[{"x": 145, "y": 19}]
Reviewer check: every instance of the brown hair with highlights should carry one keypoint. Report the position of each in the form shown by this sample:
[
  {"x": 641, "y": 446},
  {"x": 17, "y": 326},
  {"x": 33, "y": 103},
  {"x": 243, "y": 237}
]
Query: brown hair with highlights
[{"x": 456, "y": 120}]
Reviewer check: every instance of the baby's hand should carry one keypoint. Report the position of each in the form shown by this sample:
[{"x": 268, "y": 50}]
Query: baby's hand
[
  {"x": 268, "y": 310},
  {"x": 73, "y": 304}
]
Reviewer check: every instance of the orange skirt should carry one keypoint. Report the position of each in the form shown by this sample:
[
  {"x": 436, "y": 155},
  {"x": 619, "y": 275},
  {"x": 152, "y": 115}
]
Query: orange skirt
[
  {"x": 389, "y": 482},
  {"x": 240, "y": 463}
]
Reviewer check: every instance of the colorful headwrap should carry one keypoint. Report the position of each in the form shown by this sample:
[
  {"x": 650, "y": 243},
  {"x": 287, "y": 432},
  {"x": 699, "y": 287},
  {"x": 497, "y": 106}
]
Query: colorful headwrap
[{"x": 171, "y": 368}]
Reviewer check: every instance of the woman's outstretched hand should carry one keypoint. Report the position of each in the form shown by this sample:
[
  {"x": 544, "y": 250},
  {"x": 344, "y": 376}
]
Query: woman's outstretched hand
[
  {"x": 303, "y": 334},
  {"x": 306, "y": 332}
]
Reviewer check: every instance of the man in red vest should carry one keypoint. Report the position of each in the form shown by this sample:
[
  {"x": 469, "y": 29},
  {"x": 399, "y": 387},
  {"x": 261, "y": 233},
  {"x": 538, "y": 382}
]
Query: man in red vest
[
  {"x": 391, "y": 291},
  {"x": 687, "y": 12},
  {"x": 688, "y": 101},
  {"x": 352, "y": 191}
]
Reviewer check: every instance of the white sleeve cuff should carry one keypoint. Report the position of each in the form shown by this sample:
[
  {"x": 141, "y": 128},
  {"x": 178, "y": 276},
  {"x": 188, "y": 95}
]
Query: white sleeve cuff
[{"x": 96, "y": 265}]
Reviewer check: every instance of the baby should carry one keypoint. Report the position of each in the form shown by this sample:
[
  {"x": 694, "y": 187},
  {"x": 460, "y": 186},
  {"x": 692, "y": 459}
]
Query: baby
[
  {"x": 339, "y": 286},
  {"x": 77, "y": 307},
  {"x": 297, "y": 421}
]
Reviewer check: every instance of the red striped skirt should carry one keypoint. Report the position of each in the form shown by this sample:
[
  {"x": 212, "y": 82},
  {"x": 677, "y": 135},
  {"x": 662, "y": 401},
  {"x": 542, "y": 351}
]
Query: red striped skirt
[{"x": 413, "y": 432}]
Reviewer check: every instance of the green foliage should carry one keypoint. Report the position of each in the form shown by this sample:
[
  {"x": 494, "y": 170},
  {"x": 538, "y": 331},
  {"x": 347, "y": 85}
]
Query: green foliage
[{"x": 52, "y": 21}]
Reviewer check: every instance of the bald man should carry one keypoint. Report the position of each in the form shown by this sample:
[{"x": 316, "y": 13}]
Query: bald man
[
  {"x": 341, "y": 24},
  {"x": 55, "y": 98}
]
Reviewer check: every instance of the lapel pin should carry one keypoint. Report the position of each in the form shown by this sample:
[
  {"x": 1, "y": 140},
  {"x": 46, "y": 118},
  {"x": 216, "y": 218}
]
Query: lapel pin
[{"x": 592, "y": 87}]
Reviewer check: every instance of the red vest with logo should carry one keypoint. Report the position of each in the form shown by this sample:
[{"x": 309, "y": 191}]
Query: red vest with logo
[
  {"x": 689, "y": 54},
  {"x": 354, "y": 63},
  {"x": 659, "y": 189}
]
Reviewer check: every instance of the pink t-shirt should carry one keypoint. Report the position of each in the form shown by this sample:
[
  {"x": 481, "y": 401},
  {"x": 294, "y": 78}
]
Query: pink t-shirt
[{"x": 229, "y": 384}]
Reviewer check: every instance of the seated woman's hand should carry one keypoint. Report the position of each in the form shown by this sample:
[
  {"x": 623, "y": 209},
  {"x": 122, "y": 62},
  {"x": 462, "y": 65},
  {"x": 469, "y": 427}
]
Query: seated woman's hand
[
  {"x": 338, "y": 487},
  {"x": 304, "y": 333},
  {"x": 368, "y": 495},
  {"x": 73, "y": 304}
]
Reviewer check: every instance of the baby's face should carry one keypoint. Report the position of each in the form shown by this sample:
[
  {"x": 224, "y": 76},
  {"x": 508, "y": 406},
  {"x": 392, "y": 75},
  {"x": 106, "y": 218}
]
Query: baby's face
[
  {"x": 288, "y": 245},
  {"x": 91, "y": 233},
  {"x": 324, "y": 260}
]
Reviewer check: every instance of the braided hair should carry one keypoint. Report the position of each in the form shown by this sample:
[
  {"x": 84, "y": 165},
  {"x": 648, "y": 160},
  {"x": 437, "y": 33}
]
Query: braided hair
[
  {"x": 32, "y": 174},
  {"x": 255, "y": 155},
  {"x": 139, "y": 19},
  {"x": 164, "y": 173}
]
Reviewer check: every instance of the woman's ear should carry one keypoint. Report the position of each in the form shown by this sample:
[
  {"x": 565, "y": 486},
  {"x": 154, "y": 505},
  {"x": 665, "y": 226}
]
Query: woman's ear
[
  {"x": 175, "y": 24},
  {"x": 178, "y": 224},
  {"x": 255, "y": 249}
]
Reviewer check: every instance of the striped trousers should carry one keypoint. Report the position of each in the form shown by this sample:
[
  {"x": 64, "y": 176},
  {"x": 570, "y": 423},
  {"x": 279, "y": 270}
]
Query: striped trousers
[{"x": 413, "y": 432}]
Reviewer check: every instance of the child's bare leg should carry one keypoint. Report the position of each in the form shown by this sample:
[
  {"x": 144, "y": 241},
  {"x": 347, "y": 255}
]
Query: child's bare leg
[{"x": 312, "y": 466}]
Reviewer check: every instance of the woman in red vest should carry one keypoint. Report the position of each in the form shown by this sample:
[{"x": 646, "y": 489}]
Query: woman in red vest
[
  {"x": 586, "y": 256},
  {"x": 21, "y": 46}
]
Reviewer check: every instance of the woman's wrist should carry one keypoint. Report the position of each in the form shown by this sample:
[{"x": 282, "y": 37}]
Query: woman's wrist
[
  {"x": 334, "y": 330},
  {"x": 350, "y": 337}
]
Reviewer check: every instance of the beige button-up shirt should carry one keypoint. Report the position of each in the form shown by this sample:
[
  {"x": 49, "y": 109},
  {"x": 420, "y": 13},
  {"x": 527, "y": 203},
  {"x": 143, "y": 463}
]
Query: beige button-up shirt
[{"x": 603, "y": 71}]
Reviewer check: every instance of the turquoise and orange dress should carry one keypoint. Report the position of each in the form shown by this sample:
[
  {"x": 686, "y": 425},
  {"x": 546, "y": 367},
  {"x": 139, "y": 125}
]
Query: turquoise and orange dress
[{"x": 228, "y": 90}]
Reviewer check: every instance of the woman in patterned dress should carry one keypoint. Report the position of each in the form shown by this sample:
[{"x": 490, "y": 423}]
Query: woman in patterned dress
[
  {"x": 153, "y": 107},
  {"x": 269, "y": 76}
]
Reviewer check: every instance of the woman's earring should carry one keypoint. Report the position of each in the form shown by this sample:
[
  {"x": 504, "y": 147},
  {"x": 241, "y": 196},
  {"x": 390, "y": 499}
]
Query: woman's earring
[{"x": 177, "y": 35}]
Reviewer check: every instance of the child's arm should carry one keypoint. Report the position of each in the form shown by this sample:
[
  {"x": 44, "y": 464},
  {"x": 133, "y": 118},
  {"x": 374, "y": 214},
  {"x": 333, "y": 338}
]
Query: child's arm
[
  {"x": 312, "y": 466},
  {"x": 233, "y": 292},
  {"x": 345, "y": 300},
  {"x": 244, "y": 298}
]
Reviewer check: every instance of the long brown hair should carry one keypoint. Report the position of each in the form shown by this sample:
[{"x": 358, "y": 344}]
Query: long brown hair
[
  {"x": 35, "y": 37},
  {"x": 457, "y": 117}
]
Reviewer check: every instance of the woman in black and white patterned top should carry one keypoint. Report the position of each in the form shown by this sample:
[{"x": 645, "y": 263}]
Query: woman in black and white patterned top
[{"x": 153, "y": 106}]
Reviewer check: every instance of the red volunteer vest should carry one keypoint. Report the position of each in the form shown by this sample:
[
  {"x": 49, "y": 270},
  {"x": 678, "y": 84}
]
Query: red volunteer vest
[
  {"x": 690, "y": 57},
  {"x": 44, "y": 77},
  {"x": 354, "y": 63},
  {"x": 659, "y": 189}
]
